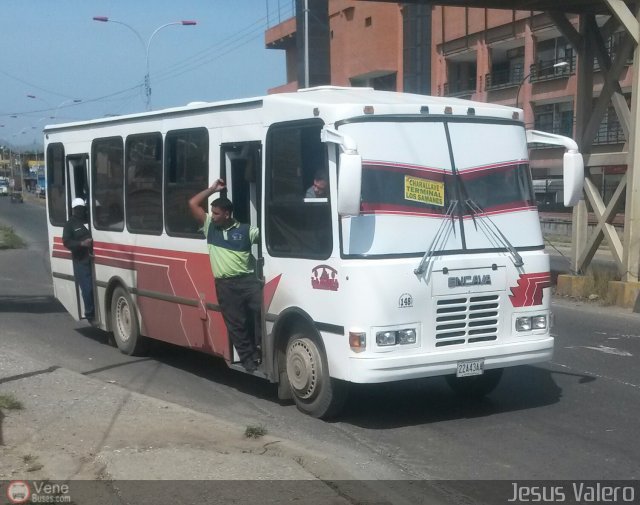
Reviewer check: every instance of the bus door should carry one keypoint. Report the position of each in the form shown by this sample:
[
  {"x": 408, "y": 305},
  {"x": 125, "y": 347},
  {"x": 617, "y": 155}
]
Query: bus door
[
  {"x": 78, "y": 187},
  {"x": 241, "y": 168}
]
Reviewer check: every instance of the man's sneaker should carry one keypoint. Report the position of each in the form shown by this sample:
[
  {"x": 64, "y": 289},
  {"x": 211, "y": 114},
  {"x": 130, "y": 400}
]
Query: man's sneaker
[
  {"x": 250, "y": 365},
  {"x": 257, "y": 356}
]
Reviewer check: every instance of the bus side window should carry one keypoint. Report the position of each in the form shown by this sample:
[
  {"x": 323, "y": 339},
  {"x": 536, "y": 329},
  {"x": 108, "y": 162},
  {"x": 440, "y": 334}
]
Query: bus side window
[
  {"x": 186, "y": 173},
  {"x": 296, "y": 226}
]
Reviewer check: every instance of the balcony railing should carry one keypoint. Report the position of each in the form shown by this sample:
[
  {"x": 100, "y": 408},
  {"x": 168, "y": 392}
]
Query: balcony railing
[
  {"x": 546, "y": 70},
  {"x": 609, "y": 134},
  {"x": 500, "y": 79},
  {"x": 460, "y": 87}
]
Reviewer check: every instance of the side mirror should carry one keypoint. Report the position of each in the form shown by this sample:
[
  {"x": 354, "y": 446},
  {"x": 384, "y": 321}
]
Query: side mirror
[
  {"x": 572, "y": 163},
  {"x": 349, "y": 184},
  {"x": 572, "y": 177},
  {"x": 349, "y": 171}
]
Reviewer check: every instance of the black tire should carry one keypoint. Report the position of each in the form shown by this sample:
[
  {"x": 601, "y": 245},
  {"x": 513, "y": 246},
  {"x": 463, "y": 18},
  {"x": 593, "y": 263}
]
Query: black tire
[
  {"x": 314, "y": 391},
  {"x": 475, "y": 386},
  {"x": 124, "y": 324}
]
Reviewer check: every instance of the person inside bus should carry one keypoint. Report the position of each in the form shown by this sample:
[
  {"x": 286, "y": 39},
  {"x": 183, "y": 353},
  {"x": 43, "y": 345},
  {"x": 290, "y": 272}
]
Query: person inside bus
[
  {"x": 320, "y": 186},
  {"x": 77, "y": 238},
  {"x": 238, "y": 289}
]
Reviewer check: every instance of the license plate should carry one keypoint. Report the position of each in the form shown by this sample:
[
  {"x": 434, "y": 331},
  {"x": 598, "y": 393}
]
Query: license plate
[{"x": 471, "y": 367}]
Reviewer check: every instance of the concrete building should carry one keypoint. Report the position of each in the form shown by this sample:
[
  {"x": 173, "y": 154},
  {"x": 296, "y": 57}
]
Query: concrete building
[
  {"x": 501, "y": 56},
  {"x": 382, "y": 45},
  {"x": 521, "y": 58}
]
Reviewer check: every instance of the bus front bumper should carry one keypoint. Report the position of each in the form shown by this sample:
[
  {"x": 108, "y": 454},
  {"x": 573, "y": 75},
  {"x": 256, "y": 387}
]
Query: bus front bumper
[{"x": 379, "y": 367}]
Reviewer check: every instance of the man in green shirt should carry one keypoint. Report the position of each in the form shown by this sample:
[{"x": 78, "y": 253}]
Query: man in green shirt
[{"x": 233, "y": 266}]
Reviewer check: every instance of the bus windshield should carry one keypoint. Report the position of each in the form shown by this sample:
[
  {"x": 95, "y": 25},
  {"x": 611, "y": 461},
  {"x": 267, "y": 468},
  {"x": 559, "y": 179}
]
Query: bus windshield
[{"x": 414, "y": 169}]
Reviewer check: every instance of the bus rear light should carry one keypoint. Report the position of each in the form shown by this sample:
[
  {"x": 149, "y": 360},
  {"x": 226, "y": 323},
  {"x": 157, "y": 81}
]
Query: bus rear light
[{"x": 357, "y": 341}]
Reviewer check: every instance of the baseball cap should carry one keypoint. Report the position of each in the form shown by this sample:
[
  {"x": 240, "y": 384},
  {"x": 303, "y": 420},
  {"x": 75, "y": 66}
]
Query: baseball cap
[{"x": 77, "y": 202}]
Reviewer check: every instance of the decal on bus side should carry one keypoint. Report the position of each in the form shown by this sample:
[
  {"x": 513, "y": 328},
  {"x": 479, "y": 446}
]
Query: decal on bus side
[
  {"x": 529, "y": 292},
  {"x": 324, "y": 277}
]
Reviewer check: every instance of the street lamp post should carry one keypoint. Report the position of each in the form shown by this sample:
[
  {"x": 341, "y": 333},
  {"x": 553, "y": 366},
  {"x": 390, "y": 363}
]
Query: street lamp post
[
  {"x": 146, "y": 46},
  {"x": 560, "y": 64},
  {"x": 34, "y": 97},
  {"x": 63, "y": 103}
]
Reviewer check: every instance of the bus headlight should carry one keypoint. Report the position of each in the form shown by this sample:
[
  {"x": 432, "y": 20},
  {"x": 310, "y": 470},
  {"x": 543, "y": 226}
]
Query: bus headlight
[
  {"x": 407, "y": 336},
  {"x": 384, "y": 338},
  {"x": 528, "y": 323},
  {"x": 523, "y": 324},
  {"x": 539, "y": 322}
]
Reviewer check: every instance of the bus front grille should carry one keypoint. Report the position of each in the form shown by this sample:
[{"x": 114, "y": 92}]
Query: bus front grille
[{"x": 467, "y": 320}]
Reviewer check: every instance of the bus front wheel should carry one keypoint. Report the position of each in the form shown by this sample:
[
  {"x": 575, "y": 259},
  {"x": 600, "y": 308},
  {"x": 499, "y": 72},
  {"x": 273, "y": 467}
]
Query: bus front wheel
[
  {"x": 124, "y": 323},
  {"x": 314, "y": 391},
  {"x": 475, "y": 386}
]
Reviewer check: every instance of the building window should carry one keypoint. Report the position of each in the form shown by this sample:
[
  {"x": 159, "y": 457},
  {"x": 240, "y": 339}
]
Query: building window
[
  {"x": 143, "y": 195},
  {"x": 186, "y": 173},
  {"x": 367, "y": 21},
  {"x": 461, "y": 78},
  {"x": 548, "y": 54},
  {"x": 610, "y": 130},
  {"x": 56, "y": 185},
  {"x": 554, "y": 118},
  {"x": 296, "y": 225},
  {"x": 385, "y": 82},
  {"x": 108, "y": 184},
  {"x": 507, "y": 68}
]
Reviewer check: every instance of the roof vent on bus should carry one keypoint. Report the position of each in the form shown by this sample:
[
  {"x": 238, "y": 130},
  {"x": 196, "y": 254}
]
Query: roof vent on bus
[
  {"x": 448, "y": 110},
  {"x": 424, "y": 109},
  {"x": 516, "y": 116},
  {"x": 471, "y": 111},
  {"x": 368, "y": 109}
]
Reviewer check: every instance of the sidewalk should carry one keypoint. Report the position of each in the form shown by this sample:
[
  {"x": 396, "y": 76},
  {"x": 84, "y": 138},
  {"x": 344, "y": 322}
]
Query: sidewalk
[
  {"x": 77, "y": 427},
  {"x": 112, "y": 446},
  {"x": 74, "y": 427}
]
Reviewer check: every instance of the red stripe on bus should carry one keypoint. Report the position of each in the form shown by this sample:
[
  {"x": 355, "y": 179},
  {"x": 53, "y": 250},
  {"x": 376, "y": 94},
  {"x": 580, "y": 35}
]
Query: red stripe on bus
[{"x": 529, "y": 290}]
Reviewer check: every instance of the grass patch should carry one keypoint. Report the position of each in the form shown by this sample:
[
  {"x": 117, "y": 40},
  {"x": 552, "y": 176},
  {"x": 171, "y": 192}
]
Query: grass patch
[
  {"x": 255, "y": 431},
  {"x": 10, "y": 402},
  {"x": 9, "y": 239},
  {"x": 32, "y": 463},
  {"x": 596, "y": 285}
]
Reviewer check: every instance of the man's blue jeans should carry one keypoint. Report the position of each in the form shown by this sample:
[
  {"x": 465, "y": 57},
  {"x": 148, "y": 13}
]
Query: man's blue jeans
[{"x": 84, "y": 279}]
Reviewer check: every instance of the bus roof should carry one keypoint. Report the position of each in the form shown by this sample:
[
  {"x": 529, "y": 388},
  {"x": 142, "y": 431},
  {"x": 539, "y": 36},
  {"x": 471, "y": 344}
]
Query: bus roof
[{"x": 333, "y": 103}]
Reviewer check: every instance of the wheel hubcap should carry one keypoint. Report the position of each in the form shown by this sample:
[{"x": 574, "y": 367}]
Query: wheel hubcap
[
  {"x": 123, "y": 319},
  {"x": 303, "y": 368}
]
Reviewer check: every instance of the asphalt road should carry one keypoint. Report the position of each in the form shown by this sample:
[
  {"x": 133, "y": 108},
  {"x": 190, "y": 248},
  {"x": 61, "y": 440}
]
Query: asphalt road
[{"x": 575, "y": 418}]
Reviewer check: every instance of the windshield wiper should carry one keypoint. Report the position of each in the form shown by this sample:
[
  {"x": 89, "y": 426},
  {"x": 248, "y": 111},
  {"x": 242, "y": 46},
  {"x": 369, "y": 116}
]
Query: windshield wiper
[
  {"x": 492, "y": 232},
  {"x": 439, "y": 240}
]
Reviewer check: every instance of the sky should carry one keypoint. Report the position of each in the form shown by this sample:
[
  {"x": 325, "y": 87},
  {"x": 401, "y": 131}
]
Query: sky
[{"x": 76, "y": 68}]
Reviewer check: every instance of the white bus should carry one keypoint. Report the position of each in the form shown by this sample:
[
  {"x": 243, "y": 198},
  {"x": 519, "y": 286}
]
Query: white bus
[{"x": 425, "y": 259}]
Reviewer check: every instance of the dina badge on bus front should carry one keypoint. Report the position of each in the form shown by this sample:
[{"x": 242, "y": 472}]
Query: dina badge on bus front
[{"x": 324, "y": 277}]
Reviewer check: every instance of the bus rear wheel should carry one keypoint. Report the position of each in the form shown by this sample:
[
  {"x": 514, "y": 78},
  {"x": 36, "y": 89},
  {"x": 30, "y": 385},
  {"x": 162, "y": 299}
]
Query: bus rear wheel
[
  {"x": 124, "y": 324},
  {"x": 475, "y": 386},
  {"x": 314, "y": 391}
]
